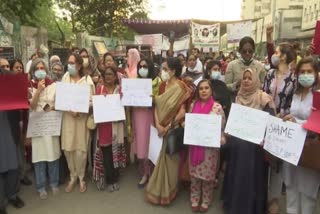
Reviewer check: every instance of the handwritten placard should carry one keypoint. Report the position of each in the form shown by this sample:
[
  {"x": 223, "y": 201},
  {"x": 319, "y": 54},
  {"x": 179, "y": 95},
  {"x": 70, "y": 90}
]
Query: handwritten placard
[
  {"x": 72, "y": 97},
  {"x": 155, "y": 145},
  {"x": 202, "y": 130},
  {"x": 247, "y": 123},
  {"x": 44, "y": 124},
  {"x": 136, "y": 92},
  {"x": 284, "y": 140},
  {"x": 107, "y": 108}
]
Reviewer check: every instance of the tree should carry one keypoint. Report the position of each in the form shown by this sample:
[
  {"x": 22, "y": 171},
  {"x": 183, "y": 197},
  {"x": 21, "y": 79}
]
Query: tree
[
  {"x": 101, "y": 17},
  {"x": 37, "y": 13}
]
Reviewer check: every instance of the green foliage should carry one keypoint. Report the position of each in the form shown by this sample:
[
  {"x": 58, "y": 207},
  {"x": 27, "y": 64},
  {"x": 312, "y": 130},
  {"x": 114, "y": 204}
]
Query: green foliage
[
  {"x": 103, "y": 17},
  {"x": 37, "y": 13}
]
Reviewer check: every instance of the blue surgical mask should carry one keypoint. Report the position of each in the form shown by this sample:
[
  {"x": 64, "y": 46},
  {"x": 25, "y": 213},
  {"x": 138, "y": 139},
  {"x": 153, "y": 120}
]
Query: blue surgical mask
[
  {"x": 143, "y": 72},
  {"x": 215, "y": 75},
  {"x": 40, "y": 74},
  {"x": 72, "y": 69},
  {"x": 306, "y": 80},
  {"x": 275, "y": 60}
]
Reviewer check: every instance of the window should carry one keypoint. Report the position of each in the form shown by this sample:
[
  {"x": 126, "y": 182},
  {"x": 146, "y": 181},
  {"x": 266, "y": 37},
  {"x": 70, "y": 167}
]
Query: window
[{"x": 292, "y": 19}]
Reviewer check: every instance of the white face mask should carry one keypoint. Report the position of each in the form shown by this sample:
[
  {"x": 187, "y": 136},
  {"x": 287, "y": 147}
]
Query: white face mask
[
  {"x": 143, "y": 72},
  {"x": 165, "y": 76}
]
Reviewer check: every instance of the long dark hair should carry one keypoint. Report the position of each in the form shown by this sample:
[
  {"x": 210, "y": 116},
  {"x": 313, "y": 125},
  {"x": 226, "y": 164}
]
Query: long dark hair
[
  {"x": 314, "y": 64},
  {"x": 174, "y": 64},
  {"x": 78, "y": 60},
  {"x": 196, "y": 96},
  {"x": 150, "y": 68},
  {"x": 289, "y": 51},
  {"x": 14, "y": 62}
]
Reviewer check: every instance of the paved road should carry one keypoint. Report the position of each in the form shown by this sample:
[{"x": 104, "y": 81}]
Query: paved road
[{"x": 128, "y": 200}]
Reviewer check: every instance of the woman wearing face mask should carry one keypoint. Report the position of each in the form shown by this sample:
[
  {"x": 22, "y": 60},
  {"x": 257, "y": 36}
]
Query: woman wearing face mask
[
  {"x": 170, "y": 108},
  {"x": 46, "y": 149},
  {"x": 142, "y": 118},
  {"x": 57, "y": 71},
  {"x": 280, "y": 83},
  {"x": 235, "y": 68},
  {"x": 192, "y": 71},
  {"x": 75, "y": 134},
  {"x": 245, "y": 185},
  {"x": 302, "y": 184},
  {"x": 203, "y": 161}
]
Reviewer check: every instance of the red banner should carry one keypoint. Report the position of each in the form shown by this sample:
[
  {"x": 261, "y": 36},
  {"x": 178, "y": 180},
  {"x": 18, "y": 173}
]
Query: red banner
[
  {"x": 316, "y": 39},
  {"x": 13, "y": 91},
  {"x": 313, "y": 122}
]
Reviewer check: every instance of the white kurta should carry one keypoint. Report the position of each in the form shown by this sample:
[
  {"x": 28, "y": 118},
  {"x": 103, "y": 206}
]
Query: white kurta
[
  {"x": 307, "y": 181},
  {"x": 45, "y": 148}
]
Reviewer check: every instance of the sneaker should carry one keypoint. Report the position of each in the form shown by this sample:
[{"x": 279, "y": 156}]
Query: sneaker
[
  {"x": 116, "y": 186},
  {"x": 43, "y": 195},
  {"x": 16, "y": 202},
  {"x": 55, "y": 190},
  {"x": 110, "y": 188}
]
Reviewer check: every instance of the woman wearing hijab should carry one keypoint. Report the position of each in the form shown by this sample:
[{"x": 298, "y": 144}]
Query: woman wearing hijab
[
  {"x": 74, "y": 132},
  {"x": 203, "y": 161},
  {"x": 192, "y": 71},
  {"x": 245, "y": 183},
  {"x": 235, "y": 68},
  {"x": 132, "y": 61},
  {"x": 170, "y": 109},
  {"x": 302, "y": 184},
  {"x": 45, "y": 149}
]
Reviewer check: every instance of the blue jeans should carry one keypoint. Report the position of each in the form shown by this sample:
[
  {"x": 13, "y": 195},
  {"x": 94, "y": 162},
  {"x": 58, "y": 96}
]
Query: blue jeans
[{"x": 40, "y": 169}]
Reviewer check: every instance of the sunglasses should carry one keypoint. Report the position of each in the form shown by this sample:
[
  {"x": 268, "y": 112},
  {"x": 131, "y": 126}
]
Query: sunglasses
[
  {"x": 143, "y": 66},
  {"x": 247, "y": 51}
]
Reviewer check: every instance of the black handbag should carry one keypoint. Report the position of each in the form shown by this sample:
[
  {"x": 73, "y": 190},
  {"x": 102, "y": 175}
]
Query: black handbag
[{"x": 174, "y": 140}]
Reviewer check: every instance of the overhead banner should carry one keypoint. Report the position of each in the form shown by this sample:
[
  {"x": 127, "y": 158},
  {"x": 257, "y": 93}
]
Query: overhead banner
[
  {"x": 205, "y": 35},
  {"x": 154, "y": 40},
  {"x": 236, "y": 31}
]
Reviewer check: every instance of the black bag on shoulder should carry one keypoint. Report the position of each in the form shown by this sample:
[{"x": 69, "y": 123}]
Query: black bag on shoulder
[{"x": 175, "y": 140}]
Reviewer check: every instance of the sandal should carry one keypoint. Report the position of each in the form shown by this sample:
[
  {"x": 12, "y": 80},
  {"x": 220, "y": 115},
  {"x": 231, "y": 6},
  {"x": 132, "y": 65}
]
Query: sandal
[
  {"x": 273, "y": 207},
  {"x": 83, "y": 187},
  {"x": 70, "y": 186},
  {"x": 195, "y": 207},
  {"x": 204, "y": 208}
]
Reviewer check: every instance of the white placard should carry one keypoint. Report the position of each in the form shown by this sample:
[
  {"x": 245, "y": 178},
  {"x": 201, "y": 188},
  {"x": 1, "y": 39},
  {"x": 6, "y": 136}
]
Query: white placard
[
  {"x": 107, "y": 108},
  {"x": 136, "y": 92},
  {"x": 247, "y": 123},
  {"x": 44, "y": 124},
  {"x": 155, "y": 145},
  {"x": 72, "y": 97},
  {"x": 202, "y": 130},
  {"x": 236, "y": 31},
  {"x": 285, "y": 140}
]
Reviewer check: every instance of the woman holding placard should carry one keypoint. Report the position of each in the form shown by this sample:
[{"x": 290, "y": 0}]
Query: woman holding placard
[
  {"x": 203, "y": 161},
  {"x": 110, "y": 152},
  {"x": 170, "y": 109},
  {"x": 302, "y": 184},
  {"x": 246, "y": 178},
  {"x": 142, "y": 118},
  {"x": 280, "y": 83},
  {"x": 45, "y": 149},
  {"x": 75, "y": 134}
]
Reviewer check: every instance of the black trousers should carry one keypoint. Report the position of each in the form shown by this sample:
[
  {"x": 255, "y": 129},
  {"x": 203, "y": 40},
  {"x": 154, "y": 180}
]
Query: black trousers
[
  {"x": 9, "y": 184},
  {"x": 111, "y": 174}
]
